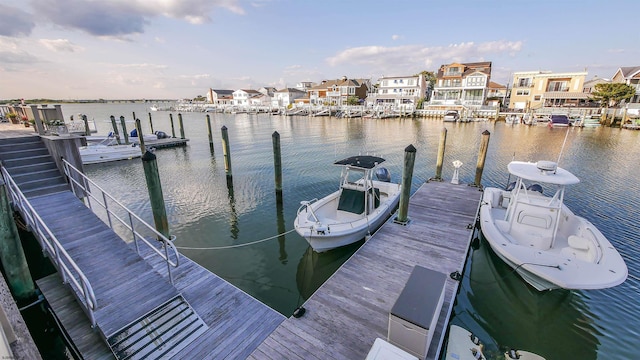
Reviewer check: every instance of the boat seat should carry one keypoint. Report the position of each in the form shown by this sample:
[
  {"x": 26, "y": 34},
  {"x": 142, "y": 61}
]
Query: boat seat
[{"x": 580, "y": 248}]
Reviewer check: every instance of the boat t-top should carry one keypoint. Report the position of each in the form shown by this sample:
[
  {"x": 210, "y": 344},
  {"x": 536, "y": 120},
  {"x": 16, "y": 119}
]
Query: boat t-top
[
  {"x": 541, "y": 238},
  {"x": 359, "y": 206}
]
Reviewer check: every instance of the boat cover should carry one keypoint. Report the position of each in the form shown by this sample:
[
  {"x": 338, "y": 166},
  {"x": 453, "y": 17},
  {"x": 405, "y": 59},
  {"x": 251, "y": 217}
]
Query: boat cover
[
  {"x": 361, "y": 161},
  {"x": 530, "y": 171}
]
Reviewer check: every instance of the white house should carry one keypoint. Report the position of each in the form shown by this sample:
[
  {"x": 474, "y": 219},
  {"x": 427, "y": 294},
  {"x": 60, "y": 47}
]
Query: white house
[
  {"x": 399, "y": 90},
  {"x": 287, "y": 96},
  {"x": 244, "y": 97}
]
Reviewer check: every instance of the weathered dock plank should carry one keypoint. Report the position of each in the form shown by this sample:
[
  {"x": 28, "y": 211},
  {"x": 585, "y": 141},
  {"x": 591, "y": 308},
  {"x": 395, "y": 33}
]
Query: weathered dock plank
[{"x": 349, "y": 311}]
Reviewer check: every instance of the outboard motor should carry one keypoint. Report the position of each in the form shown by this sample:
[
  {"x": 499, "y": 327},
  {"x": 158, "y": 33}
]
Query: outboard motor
[
  {"x": 382, "y": 174},
  {"x": 134, "y": 133},
  {"x": 535, "y": 187}
]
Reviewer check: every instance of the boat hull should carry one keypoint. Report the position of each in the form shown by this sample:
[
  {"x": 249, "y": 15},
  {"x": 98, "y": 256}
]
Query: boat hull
[
  {"x": 337, "y": 228},
  {"x": 95, "y": 154}
]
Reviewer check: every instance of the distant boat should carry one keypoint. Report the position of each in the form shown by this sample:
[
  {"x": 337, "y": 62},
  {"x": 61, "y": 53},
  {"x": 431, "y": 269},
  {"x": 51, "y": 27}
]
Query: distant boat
[
  {"x": 451, "y": 116},
  {"x": 541, "y": 238},
  {"x": 559, "y": 120},
  {"x": 359, "y": 207},
  {"x": 100, "y": 153}
]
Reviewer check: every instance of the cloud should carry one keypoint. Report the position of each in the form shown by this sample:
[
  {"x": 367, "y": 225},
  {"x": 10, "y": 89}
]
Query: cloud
[
  {"x": 11, "y": 55},
  {"x": 15, "y": 22},
  {"x": 415, "y": 57},
  {"x": 119, "y": 18},
  {"x": 395, "y": 37},
  {"x": 60, "y": 45},
  {"x": 138, "y": 67}
]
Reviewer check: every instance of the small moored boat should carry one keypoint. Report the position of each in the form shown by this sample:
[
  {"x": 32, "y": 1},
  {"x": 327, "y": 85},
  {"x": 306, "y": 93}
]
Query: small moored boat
[
  {"x": 99, "y": 153},
  {"x": 541, "y": 238},
  {"x": 359, "y": 206}
]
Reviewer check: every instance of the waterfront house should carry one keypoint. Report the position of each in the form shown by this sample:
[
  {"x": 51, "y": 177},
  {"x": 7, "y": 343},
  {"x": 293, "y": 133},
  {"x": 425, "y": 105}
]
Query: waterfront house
[
  {"x": 629, "y": 75},
  {"x": 244, "y": 97},
  {"x": 286, "y": 97},
  {"x": 305, "y": 85},
  {"x": 398, "y": 91},
  {"x": 337, "y": 92},
  {"x": 538, "y": 89},
  {"x": 220, "y": 97},
  {"x": 461, "y": 84},
  {"x": 496, "y": 94}
]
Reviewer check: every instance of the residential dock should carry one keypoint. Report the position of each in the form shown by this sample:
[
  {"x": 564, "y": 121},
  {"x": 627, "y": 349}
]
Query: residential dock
[{"x": 349, "y": 311}]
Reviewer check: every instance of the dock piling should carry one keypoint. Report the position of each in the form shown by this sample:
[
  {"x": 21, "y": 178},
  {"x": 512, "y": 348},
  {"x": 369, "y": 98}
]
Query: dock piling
[
  {"x": 154, "y": 186},
  {"x": 181, "y": 126},
  {"x": 277, "y": 163},
  {"x": 440, "y": 160},
  {"x": 87, "y": 131},
  {"x": 115, "y": 129},
  {"x": 407, "y": 177},
  {"x": 14, "y": 261},
  {"x": 124, "y": 130},
  {"x": 227, "y": 153},
  {"x": 151, "y": 124},
  {"x": 210, "y": 133},
  {"x": 173, "y": 129},
  {"x": 482, "y": 155}
]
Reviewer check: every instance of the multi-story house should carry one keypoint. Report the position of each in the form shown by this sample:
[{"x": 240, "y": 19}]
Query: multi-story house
[
  {"x": 496, "y": 94},
  {"x": 538, "y": 89},
  {"x": 398, "y": 90},
  {"x": 464, "y": 84},
  {"x": 337, "y": 92},
  {"x": 220, "y": 97},
  {"x": 286, "y": 97},
  {"x": 629, "y": 75},
  {"x": 246, "y": 97}
]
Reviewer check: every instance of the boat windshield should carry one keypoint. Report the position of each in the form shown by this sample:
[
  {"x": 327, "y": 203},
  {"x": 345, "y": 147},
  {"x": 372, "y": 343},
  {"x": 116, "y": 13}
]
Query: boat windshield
[{"x": 355, "y": 178}]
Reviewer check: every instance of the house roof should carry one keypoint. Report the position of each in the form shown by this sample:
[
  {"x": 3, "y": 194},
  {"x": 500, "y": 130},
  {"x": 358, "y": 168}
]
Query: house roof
[
  {"x": 223, "y": 92},
  {"x": 291, "y": 90},
  {"x": 495, "y": 85},
  {"x": 629, "y": 71}
]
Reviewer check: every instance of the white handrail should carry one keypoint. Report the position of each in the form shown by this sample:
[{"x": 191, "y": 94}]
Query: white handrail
[
  {"x": 86, "y": 185},
  {"x": 69, "y": 270}
]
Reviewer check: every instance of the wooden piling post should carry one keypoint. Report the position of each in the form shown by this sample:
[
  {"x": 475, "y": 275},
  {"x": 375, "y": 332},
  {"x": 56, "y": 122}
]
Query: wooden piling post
[
  {"x": 482, "y": 155},
  {"x": 226, "y": 152},
  {"x": 210, "y": 133},
  {"x": 173, "y": 129},
  {"x": 440, "y": 160},
  {"x": 115, "y": 129},
  {"x": 181, "y": 126},
  {"x": 14, "y": 261},
  {"x": 277, "y": 163},
  {"x": 124, "y": 130},
  {"x": 151, "y": 124},
  {"x": 154, "y": 186},
  {"x": 87, "y": 131},
  {"x": 407, "y": 178}
]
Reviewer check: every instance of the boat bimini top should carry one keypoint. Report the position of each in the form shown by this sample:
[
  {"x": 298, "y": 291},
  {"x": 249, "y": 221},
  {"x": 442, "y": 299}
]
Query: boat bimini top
[{"x": 366, "y": 162}]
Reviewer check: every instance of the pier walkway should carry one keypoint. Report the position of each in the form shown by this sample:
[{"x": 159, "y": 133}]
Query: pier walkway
[
  {"x": 119, "y": 292},
  {"x": 348, "y": 312}
]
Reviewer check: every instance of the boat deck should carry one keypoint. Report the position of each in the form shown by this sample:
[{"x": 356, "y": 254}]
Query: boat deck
[{"x": 348, "y": 312}]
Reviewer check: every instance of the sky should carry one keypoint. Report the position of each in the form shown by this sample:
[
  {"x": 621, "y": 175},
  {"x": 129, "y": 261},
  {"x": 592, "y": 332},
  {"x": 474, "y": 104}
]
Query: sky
[{"x": 172, "y": 49}]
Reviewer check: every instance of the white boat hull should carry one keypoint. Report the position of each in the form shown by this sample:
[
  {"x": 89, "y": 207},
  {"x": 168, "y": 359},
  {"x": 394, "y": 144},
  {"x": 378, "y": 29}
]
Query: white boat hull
[
  {"x": 579, "y": 257},
  {"x": 94, "y": 154},
  {"x": 338, "y": 228}
]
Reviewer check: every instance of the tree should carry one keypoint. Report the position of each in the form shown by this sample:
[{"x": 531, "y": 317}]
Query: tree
[
  {"x": 430, "y": 78},
  {"x": 353, "y": 100},
  {"x": 611, "y": 94}
]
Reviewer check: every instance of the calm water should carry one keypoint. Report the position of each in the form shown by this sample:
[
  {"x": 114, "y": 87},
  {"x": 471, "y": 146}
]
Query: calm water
[{"x": 494, "y": 303}]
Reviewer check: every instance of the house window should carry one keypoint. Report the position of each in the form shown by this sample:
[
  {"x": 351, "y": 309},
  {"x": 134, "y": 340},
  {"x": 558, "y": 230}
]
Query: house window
[
  {"x": 475, "y": 81},
  {"x": 453, "y": 71},
  {"x": 522, "y": 92},
  {"x": 558, "y": 86},
  {"x": 524, "y": 82},
  {"x": 352, "y": 91},
  {"x": 536, "y": 98},
  {"x": 401, "y": 81},
  {"x": 395, "y": 81},
  {"x": 384, "y": 82}
]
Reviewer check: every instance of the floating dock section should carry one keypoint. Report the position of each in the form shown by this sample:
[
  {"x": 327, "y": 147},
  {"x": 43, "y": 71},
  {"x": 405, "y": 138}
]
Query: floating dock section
[{"x": 346, "y": 315}]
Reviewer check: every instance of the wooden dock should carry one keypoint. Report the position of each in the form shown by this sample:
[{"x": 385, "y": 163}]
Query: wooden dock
[
  {"x": 348, "y": 312},
  {"x": 138, "y": 312}
]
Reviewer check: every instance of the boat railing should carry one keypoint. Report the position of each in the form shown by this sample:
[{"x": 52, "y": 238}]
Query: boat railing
[
  {"x": 69, "y": 271},
  {"x": 129, "y": 222},
  {"x": 307, "y": 205}
]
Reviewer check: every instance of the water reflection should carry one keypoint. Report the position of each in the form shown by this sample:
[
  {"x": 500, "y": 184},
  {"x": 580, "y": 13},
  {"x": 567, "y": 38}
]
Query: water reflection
[
  {"x": 233, "y": 214},
  {"x": 505, "y": 312},
  {"x": 315, "y": 268},
  {"x": 281, "y": 230}
]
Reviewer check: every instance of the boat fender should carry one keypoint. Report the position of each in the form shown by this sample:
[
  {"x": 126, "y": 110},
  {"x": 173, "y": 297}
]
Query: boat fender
[{"x": 134, "y": 133}]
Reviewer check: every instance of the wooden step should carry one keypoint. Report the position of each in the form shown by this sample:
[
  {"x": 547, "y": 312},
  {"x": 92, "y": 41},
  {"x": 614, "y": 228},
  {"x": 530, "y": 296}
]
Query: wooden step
[{"x": 160, "y": 334}]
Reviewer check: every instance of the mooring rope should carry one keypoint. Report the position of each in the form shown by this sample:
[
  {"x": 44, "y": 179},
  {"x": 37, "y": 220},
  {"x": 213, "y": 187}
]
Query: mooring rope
[{"x": 232, "y": 246}]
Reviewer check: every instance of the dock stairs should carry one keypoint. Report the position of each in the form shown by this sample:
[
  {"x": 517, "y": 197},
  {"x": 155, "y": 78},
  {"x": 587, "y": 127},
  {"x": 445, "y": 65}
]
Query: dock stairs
[{"x": 151, "y": 324}]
